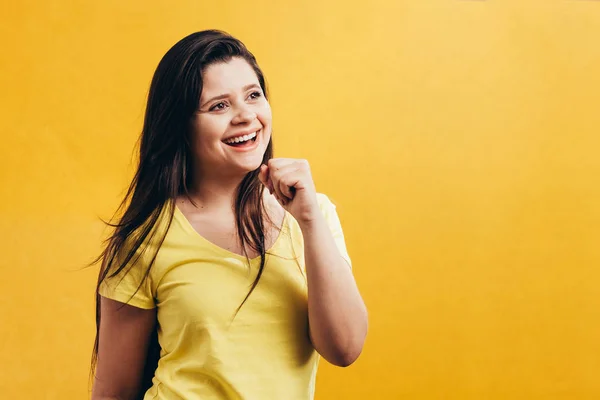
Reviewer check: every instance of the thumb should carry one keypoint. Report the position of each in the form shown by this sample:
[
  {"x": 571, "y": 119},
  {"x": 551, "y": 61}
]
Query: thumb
[{"x": 263, "y": 174}]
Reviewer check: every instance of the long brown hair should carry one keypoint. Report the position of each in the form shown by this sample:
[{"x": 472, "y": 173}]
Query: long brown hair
[{"x": 164, "y": 171}]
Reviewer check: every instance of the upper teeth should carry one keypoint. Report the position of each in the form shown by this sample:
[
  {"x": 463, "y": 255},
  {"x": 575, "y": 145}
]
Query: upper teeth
[{"x": 240, "y": 139}]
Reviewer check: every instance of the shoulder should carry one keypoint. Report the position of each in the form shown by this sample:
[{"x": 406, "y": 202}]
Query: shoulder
[
  {"x": 325, "y": 203},
  {"x": 322, "y": 198}
]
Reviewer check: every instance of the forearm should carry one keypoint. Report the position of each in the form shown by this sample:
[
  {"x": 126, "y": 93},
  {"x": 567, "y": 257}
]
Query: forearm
[
  {"x": 107, "y": 398},
  {"x": 337, "y": 314},
  {"x": 102, "y": 393}
]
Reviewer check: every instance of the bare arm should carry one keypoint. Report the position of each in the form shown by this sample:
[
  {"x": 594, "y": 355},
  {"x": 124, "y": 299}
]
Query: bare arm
[
  {"x": 336, "y": 312},
  {"x": 337, "y": 315},
  {"x": 123, "y": 346}
]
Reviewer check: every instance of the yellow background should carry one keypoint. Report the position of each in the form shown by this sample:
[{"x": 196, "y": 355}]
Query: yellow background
[{"x": 460, "y": 140}]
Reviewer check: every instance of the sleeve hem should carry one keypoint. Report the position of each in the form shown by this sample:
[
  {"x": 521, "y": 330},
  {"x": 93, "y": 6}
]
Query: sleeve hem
[
  {"x": 347, "y": 259},
  {"x": 126, "y": 298}
]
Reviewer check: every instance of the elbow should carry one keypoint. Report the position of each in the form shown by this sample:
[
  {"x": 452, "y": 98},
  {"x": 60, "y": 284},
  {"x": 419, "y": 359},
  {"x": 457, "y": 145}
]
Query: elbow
[
  {"x": 342, "y": 348},
  {"x": 345, "y": 353},
  {"x": 344, "y": 358}
]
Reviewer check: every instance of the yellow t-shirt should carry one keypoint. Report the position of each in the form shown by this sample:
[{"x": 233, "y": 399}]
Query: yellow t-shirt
[{"x": 264, "y": 352}]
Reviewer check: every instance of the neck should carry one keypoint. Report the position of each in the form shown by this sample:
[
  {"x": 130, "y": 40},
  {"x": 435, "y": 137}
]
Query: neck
[{"x": 215, "y": 193}]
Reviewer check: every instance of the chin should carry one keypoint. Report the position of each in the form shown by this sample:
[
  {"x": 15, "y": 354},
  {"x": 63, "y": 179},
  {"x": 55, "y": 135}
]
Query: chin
[
  {"x": 253, "y": 167},
  {"x": 248, "y": 160},
  {"x": 244, "y": 167}
]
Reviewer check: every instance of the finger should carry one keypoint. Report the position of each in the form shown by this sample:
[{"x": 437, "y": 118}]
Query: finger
[
  {"x": 281, "y": 179},
  {"x": 283, "y": 201},
  {"x": 264, "y": 178},
  {"x": 270, "y": 183},
  {"x": 288, "y": 183},
  {"x": 263, "y": 174},
  {"x": 278, "y": 196},
  {"x": 279, "y": 163},
  {"x": 276, "y": 191}
]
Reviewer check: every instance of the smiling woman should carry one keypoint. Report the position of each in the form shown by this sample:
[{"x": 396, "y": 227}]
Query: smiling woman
[
  {"x": 180, "y": 312},
  {"x": 240, "y": 117},
  {"x": 233, "y": 107}
]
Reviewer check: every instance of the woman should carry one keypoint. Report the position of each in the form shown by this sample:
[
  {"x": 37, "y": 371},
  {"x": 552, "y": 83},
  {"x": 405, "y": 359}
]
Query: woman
[{"x": 211, "y": 286}]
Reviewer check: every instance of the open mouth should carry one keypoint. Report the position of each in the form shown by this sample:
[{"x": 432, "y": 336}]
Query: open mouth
[{"x": 243, "y": 141}]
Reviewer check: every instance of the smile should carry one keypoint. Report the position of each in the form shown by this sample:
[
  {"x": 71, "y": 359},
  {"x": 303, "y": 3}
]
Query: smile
[{"x": 242, "y": 141}]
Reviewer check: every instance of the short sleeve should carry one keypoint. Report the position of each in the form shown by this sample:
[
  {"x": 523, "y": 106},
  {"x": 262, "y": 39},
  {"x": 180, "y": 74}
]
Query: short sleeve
[
  {"x": 333, "y": 220},
  {"x": 129, "y": 285}
]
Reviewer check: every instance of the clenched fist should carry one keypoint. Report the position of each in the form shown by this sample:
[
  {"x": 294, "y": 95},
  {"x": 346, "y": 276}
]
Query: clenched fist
[{"x": 291, "y": 182}]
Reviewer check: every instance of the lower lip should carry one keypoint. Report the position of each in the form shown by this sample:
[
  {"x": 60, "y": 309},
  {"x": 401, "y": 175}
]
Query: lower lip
[{"x": 247, "y": 148}]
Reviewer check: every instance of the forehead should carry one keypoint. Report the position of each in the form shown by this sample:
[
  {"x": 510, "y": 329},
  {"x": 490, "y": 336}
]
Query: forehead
[{"x": 231, "y": 76}]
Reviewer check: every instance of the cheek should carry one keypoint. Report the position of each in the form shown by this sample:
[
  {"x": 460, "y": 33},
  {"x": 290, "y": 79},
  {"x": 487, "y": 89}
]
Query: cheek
[
  {"x": 265, "y": 117},
  {"x": 208, "y": 130}
]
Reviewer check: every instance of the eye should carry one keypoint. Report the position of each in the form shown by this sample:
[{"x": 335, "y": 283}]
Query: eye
[
  {"x": 255, "y": 95},
  {"x": 218, "y": 106}
]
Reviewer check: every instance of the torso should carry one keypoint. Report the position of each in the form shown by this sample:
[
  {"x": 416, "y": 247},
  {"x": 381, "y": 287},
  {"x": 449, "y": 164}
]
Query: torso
[
  {"x": 220, "y": 228},
  {"x": 210, "y": 347}
]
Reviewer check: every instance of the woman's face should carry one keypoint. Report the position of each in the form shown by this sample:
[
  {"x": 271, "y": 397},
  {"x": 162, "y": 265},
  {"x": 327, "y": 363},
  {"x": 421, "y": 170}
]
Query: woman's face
[{"x": 233, "y": 127}]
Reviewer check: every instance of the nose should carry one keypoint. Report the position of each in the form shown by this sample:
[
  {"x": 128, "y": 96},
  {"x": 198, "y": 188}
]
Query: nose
[{"x": 243, "y": 116}]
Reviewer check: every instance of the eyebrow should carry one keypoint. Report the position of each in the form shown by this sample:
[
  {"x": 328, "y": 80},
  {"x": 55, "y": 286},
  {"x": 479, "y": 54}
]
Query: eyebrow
[{"x": 225, "y": 95}]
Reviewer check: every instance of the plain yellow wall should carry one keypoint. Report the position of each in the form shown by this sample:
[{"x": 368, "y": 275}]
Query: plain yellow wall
[{"x": 460, "y": 140}]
